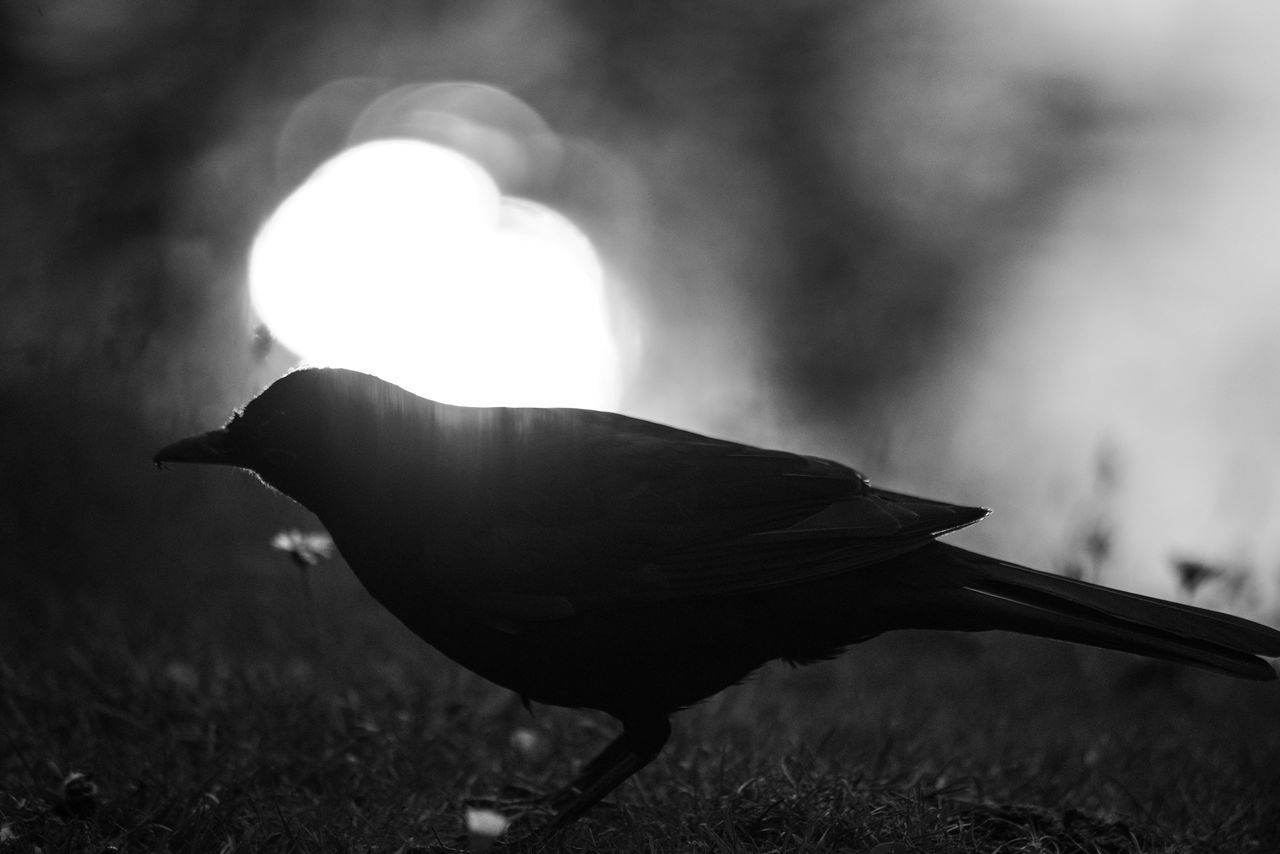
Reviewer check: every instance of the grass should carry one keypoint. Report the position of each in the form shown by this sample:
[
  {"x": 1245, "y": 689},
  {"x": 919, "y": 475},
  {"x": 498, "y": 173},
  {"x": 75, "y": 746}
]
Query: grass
[{"x": 228, "y": 716}]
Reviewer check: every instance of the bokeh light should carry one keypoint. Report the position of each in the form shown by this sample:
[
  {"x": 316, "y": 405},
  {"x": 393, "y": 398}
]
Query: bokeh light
[{"x": 402, "y": 257}]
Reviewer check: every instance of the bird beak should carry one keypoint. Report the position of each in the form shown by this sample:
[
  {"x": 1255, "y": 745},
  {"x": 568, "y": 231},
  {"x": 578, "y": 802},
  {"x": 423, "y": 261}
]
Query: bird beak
[{"x": 212, "y": 448}]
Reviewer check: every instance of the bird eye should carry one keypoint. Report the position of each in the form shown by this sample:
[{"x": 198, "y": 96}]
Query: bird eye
[{"x": 279, "y": 457}]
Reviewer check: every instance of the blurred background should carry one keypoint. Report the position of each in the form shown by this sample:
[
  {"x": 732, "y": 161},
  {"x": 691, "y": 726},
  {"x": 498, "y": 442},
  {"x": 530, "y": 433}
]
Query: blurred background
[{"x": 1010, "y": 253}]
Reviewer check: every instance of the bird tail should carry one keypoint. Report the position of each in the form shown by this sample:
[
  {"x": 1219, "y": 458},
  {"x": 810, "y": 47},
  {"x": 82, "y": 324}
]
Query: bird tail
[{"x": 1002, "y": 595}]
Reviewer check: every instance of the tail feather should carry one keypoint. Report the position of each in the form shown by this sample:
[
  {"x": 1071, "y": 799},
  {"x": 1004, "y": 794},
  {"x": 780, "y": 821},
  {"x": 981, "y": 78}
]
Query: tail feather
[{"x": 1014, "y": 598}]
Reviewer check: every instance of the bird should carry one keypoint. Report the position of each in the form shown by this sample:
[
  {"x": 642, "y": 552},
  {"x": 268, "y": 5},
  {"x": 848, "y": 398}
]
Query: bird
[{"x": 590, "y": 559}]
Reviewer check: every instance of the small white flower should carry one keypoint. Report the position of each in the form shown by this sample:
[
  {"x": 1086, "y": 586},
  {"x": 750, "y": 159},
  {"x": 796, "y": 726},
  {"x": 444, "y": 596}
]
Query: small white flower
[
  {"x": 306, "y": 549},
  {"x": 484, "y": 827}
]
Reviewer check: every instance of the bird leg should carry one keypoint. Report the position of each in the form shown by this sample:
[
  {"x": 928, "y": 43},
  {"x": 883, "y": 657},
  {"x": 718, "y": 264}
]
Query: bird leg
[{"x": 635, "y": 748}]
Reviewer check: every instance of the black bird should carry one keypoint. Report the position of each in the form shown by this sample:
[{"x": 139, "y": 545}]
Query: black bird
[{"x": 588, "y": 559}]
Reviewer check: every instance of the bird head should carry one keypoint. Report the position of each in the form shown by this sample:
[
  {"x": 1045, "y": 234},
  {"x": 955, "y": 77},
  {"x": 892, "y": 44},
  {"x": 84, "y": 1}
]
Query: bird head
[{"x": 310, "y": 434}]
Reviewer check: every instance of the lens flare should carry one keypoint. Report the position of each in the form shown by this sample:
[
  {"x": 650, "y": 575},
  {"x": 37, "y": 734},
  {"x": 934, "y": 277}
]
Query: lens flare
[{"x": 403, "y": 258}]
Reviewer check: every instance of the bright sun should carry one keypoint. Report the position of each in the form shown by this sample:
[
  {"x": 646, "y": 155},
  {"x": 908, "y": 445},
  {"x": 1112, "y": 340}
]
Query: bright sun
[{"x": 402, "y": 258}]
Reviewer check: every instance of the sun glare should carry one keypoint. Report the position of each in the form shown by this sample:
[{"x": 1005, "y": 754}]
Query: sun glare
[{"x": 403, "y": 258}]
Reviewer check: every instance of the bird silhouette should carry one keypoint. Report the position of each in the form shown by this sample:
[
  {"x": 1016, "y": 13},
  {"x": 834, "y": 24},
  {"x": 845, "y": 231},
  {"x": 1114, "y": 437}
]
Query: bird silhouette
[{"x": 589, "y": 559}]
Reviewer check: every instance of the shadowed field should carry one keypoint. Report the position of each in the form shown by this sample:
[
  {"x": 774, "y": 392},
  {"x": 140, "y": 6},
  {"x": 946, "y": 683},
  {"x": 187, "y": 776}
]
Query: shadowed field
[{"x": 241, "y": 718}]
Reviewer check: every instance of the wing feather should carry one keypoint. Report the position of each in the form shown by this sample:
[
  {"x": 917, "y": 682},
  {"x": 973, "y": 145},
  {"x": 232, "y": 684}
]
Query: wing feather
[{"x": 613, "y": 511}]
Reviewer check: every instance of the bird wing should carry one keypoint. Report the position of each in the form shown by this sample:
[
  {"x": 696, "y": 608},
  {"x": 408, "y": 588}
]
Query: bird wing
[{"x": 597, "y": 510}]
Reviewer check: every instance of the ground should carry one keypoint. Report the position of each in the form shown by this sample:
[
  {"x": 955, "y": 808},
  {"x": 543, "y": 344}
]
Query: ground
[{"x": 242, "y": 714}]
